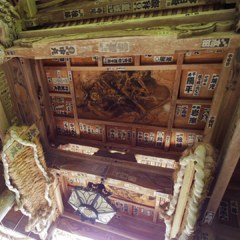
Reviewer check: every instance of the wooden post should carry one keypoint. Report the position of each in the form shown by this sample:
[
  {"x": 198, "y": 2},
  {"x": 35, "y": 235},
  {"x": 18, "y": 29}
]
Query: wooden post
[
  {"x": 7, "y": 199},
  {"x": 3, "y": 123},
  {"x": 210, "y": 130},
  {"x": 183, "y": 199},
  {"x": 33, "y": 97}
]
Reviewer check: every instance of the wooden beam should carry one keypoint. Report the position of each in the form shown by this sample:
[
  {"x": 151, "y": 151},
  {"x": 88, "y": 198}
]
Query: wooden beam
[
  {"x": 174, "y": 98},
  {"x": 165, "y": 42},
  {"x": 225, "y": 74},
  {"x": 107, "y": 9},
  {"x": 169, "y": 20},
  {"x": 122, "y": 147},
  {"x": 183, "y": 199},
  {"x": 148, "y": 177},
  {"x": 120, "y": 227},
  {"x": 231, "y": 155}
]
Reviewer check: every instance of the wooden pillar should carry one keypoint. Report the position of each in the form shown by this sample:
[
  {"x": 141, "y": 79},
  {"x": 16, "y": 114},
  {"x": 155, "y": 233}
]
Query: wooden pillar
[
  {"x": 4, "y": 125},
  {"x": 7, "y": 200},
  {"x": 231, "y": 155}
]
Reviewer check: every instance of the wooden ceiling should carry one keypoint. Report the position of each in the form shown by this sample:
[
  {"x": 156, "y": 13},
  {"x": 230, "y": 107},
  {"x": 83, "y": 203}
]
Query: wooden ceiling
[{"x": 150, "y": 93}]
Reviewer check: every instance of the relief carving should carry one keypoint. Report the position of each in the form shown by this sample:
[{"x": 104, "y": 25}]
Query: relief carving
[
  {"x": 8, "y": 18},
  {"x": 20, "y": 91}
]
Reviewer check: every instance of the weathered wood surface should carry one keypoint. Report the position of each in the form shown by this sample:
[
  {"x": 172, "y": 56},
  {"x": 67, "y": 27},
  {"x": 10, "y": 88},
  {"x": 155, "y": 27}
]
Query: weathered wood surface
[
  {"x": 161, "y": 21},
  {"x": 142, "y": 175},
  {"x": 230, "y": 156},
  {"x": 221, "y": 89},
  {"x": 164, "y": 41},
  {"x": 4, "y": 124},
  {"x": 183, "y": 199},
  {"x": 7, "y": 200},
  {"x": 89, "y": 9},
  {"x": 120, "y": 147}
]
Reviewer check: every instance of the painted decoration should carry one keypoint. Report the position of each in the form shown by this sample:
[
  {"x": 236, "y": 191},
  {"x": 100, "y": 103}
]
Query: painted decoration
[
  {"x": 133, "y": 96},
  {"x": 131, "y": 196}
]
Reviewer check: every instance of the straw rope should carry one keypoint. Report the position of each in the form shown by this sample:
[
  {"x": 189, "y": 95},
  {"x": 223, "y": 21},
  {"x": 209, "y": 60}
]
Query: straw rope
[
  {"x": 28, "y": 178},
  {"x": 203, "y": 156}
]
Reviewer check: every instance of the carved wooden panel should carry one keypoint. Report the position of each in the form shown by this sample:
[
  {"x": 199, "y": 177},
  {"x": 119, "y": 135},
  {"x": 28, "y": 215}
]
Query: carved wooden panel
[{"x": 131, "y": 196}]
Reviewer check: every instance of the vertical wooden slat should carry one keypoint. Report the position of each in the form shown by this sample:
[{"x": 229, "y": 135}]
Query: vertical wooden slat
[
  {"x": 104, "y": 134},
  {"x": 134, "y": 136},
  {"x": 100, "y": 63},
  {"x": 156, "y": 209},
  {"x": 72, "y": 90},
  {"x": 183, "y": 198},
  {"x": 137, "y": 61},
  {"x": 176, "y": 85}
]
